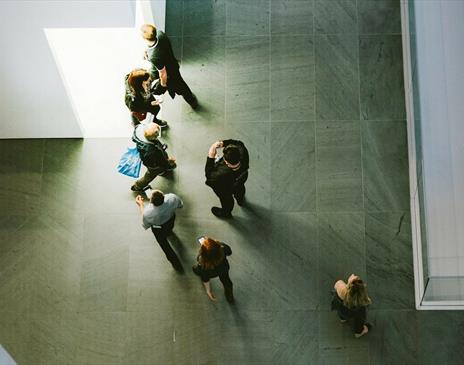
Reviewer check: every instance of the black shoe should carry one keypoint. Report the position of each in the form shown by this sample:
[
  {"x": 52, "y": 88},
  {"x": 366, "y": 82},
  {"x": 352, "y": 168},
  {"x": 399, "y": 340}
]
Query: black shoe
[
  {"x": 140, "y": 190},
  {"x": 240, "y": 201},
  {"x": 219, "y": 212},
  {"x": 194, "y": 104},
  {"x": 177, "y": 266},
  {"x": 161, "y": 123},
  {"x": 229, "y": 294}
]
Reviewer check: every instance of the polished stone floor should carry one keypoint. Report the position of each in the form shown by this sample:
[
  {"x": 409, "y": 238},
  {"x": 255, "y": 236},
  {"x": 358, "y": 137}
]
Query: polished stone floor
[{"x": 314, "y": 89}]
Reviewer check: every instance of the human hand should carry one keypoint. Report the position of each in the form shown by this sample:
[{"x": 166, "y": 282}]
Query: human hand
[
  {"x": 145, "y": 55},
  {"x": 139, "y": 200},
  {"x": 211, "y": 296},
  {"x": 352, "y": 277},
  {"x": 155, "y": 102},
  {"x": 173, "y": 159}
]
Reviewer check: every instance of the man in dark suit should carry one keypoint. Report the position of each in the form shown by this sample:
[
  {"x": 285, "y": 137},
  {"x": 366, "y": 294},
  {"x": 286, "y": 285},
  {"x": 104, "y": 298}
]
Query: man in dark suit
[
  {"x": 165, "y": 65},
  {"x": 227, "y": 175}
]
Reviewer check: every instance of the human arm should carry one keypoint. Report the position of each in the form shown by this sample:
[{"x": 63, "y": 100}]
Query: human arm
[
  {"x": 213, "y": 149},
  {"x": 163, "y": 76},
  {"x": 340, "y": 287},
  {"x": 227, "y": 249},
  {"x": 140, "y": 203}
]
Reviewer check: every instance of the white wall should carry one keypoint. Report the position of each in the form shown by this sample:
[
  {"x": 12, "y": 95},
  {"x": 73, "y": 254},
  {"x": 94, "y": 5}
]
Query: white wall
[
  {"x": 440, "y": 75},
  {"x": 63, "y": 65}
]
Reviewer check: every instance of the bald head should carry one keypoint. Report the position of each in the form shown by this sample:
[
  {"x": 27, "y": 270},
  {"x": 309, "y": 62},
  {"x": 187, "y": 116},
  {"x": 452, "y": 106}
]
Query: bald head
[
  {"x": 152, "y": 131},
  {"x": 148, "y": 32}
]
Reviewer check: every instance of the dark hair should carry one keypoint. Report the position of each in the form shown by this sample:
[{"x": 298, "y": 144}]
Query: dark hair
[
  {"x": 232, "y": 154},
  {"x": 136, "y": 78},
  {"x": 211, "y": 253},
  {"x": 157, "y": 198}
]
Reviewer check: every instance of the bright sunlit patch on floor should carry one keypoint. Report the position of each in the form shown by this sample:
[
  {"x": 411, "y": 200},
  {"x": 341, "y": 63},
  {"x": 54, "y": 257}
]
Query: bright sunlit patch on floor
[{"x": 93, "y": 63}]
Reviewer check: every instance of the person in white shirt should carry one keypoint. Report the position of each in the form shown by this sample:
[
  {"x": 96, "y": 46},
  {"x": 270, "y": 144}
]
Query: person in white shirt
[{"x": 160, "y": 215}]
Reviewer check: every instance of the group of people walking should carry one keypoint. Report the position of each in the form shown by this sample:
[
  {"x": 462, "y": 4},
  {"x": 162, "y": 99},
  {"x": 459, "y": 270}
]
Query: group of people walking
[{"x": 225, "y": 173}]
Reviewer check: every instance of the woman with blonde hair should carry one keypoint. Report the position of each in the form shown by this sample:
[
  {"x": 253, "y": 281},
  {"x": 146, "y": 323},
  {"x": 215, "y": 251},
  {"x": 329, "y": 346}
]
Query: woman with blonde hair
[
  {"x": 212, "y": 262},
  {"x": 351, "y": 301}
]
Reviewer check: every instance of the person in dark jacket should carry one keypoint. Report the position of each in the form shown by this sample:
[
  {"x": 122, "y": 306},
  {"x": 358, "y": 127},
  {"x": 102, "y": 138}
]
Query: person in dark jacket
[
  {"x": 140, "y": 97},
  {"x": 351, "y": 301},
  {"x": 227, "y": 175},
  {"x": 212, "y": 262},
  {"x": 152, "y": 153},
  {"x": 164, "y": 64}
]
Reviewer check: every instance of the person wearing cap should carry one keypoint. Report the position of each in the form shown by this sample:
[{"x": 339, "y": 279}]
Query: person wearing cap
[
  {"x": 227, "y": 175},
  {"x": 164, "y": 64}
]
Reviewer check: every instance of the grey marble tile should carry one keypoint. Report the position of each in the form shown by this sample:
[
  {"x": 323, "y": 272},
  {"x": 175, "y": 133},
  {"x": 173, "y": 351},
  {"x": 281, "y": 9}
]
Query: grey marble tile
[
  {"x": 338, "y": 166},
  {"x": 174, "y": 17},
  {"x": 381, "y": 75},
  {"x": 292, "y": 78},
  {"x": 204, "y": 17},
  {"x": 101, "y": 338},
  {"x": 57, "y": 265},
  {"x": 440, "y": 329},
  {"x": 298, "y": 340},
  {"x": 247, "y": 79},
  {"x": 21, "y": 175},
  {"x": 337, "y": 80},
  {"x": 105, "y": 261},
  {"x": 335, "y": 17},
  {"x": 337, "y": 344},
  {"x": 204, "y": 71},
  {"x": 342, "y": 251},
  {"x": 295, "y": 255},
  {"x": 245, "y": 17},
  {"x": 17, "y": 263},
  {"x": 394, "y": 337},
  {"x": 385, "y": 166},
  {"x": 293, "y": 183},
  {"x": 379, "y": 17},
  {"x": 389, "y": 260},
  {"x": 291, "y": 17},
  {"x": 53, "y": 339},
  {"x": 14, "y": 333}
]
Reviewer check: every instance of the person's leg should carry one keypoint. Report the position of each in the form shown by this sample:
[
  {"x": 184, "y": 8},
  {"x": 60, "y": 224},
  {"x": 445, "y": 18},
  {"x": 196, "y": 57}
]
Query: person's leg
[
  {"x": 155, "y": 109},
  {"x": 227, "y": 204},
  {"x": 135, "y": 121},
  {"x": 228, "y": 286},
  {"x": 180, "y": 87},
  {"x": 146, "y": 179},
  {"x": 160, "y": 235},
  {"x": 239, "y": 194}
]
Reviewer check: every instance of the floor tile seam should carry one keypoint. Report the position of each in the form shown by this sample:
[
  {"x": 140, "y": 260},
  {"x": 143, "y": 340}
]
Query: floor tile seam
[
  {"x": 315, "y": 108},
  {"x": 360, "y": 125}
]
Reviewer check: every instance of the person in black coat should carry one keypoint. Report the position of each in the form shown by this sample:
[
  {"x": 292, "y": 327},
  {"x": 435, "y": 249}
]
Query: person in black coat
[
  {"x": 227, "y": 175},
  {"x": 212, "y": 262},
  {"x": 140, "y": 96},
  {"x": 164, "y": 64},
  {"x": 152, "y": 153}
]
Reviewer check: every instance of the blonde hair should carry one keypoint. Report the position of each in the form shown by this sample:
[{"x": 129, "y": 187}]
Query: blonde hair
[
  {"x": 356, "y": 294},
  {"x": 148, "y": 32}
]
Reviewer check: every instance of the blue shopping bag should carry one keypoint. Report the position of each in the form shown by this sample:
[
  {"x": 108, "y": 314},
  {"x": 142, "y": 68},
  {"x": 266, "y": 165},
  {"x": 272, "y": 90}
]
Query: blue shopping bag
[{"x": 130, "y": 163}]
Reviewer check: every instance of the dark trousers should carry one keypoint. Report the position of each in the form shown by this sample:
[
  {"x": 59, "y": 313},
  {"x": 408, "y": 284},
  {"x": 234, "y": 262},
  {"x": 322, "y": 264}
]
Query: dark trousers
[
  {"x": 227, "y": 197},
  {"x": 154, "y": 109},
  {"x": 225, "y": 280},
  {"x": 177, "y": 85},
  {"x": 161, "y": 236}
]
